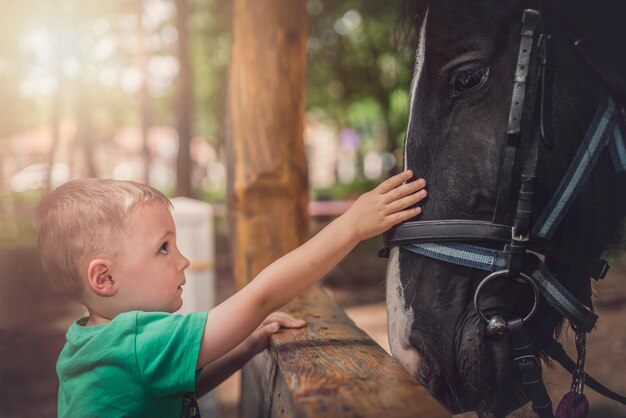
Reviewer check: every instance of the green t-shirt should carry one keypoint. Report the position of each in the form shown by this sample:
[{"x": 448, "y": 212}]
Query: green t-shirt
[{"x": 138, "y": 365}]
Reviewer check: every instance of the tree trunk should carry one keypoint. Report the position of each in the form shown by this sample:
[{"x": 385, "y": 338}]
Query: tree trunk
[
  {"x": 267, "y": 182},
  {"x": 55, "y": 127},
  {"x": 185, "y": 103},
  {"x": 85, "y": 131},
  {"x": 144, "y": 93}
]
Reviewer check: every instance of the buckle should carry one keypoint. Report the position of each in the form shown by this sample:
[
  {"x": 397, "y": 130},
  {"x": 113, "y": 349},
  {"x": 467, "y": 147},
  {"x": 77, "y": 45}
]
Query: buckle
[{"x": 518, "y": 237}]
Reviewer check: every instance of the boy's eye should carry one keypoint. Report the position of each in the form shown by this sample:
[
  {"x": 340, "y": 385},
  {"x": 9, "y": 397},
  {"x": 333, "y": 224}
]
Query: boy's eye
[{"x": 164, "y": 248}]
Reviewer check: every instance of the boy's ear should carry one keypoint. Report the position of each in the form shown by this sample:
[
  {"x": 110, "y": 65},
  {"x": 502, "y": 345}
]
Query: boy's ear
[{"x": 100, "y": 279}]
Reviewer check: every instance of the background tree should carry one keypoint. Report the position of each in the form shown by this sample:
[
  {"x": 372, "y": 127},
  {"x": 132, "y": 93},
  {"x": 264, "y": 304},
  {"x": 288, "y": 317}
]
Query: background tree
[
  {"x": 355, "y": 77},
  {"x": 185, "y": 101},
  {"x": 144, "y": 88}
]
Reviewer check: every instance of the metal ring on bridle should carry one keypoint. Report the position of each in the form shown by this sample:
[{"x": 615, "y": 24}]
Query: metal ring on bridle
[{"x": 504, "y": 273}]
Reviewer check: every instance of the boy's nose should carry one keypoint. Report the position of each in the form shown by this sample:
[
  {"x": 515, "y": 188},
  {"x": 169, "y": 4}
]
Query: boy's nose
[{"x": 184, "y": 262}]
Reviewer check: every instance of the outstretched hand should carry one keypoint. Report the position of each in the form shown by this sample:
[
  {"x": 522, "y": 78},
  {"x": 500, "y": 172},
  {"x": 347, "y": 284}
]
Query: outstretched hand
[
  {"x": 259, "y": 339},
  {"x": 378, "y": 210},
  {"x": 234, "y": 319}
]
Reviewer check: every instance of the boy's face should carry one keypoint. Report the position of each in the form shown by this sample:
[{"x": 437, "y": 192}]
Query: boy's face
[{"x": 150, "y": 269}]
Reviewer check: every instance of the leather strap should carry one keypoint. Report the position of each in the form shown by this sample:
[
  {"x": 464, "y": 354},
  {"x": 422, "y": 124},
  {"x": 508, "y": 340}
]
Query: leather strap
[
  {"x": 529, "y": 24},
  {"x": 446, "y": 230},
  {"x": 563, "y": 301},
  {"x": 530, "y": 369},
  {"x": 556, "y": 352},
  {"x": 457, "y": 230},
  {"x": 526, "y": 196}
]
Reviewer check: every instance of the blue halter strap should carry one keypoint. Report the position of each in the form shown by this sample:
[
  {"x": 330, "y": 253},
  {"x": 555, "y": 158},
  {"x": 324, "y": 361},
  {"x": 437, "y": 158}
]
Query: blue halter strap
[{"x": 605, "y": 130}]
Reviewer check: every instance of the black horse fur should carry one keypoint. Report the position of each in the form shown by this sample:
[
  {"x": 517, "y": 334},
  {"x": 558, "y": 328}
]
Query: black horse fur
[{"x": 454, "y": 140}]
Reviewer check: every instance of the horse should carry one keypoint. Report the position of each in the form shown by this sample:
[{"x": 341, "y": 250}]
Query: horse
[{"x": 501, "y": 97}]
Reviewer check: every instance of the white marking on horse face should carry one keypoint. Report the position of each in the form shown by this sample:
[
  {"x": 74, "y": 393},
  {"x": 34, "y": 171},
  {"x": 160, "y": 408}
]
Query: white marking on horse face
[
  {"x": 399, "y": 318},
  {"x": 419, "y": 64}
]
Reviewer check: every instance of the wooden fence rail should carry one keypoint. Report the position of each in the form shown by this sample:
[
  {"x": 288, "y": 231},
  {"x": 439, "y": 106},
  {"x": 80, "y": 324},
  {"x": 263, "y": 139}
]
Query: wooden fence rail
[{"x": 331, "y": 368}]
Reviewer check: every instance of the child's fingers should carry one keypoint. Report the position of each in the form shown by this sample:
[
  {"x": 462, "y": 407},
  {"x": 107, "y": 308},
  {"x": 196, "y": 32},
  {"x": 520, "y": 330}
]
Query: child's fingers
[
  {"x": 393, "y": 182},
  {"x": 274, "y": 316},
  {"x": 269, "y": 329},
  {"x": 284, "y": 320},
  {"x": 404, "y": 190},
  {"x": 405, "y": 202},
  {"x": 405, "y": 215},
  {"x": 291, "y": 323}
]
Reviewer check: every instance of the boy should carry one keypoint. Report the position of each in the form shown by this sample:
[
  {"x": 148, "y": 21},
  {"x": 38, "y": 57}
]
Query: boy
[{"x": 112, "y": 246}]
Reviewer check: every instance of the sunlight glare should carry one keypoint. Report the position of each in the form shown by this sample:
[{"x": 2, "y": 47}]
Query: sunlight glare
[{"x": 38, "y": 42}]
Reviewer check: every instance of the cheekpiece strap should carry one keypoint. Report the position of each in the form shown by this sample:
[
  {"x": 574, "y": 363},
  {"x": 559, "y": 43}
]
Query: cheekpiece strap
[{"x": 530, "y": 369}]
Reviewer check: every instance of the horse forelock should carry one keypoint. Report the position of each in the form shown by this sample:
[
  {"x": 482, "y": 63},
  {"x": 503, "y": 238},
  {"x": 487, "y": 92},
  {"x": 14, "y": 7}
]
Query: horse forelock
[{"x": 419, "y": 63}]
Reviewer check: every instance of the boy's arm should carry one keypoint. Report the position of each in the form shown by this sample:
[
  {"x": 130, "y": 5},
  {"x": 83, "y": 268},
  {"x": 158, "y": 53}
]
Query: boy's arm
[
  {"x": 374, "y": 212},
  {"x": 219, "y": 370}
]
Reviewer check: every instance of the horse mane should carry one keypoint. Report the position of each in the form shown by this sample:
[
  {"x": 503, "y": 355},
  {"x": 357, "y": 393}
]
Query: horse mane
[
  {"x": 602, "y": 21},
  {"x": 413, "y": 13},
  {"x": 600, "y": 24}
]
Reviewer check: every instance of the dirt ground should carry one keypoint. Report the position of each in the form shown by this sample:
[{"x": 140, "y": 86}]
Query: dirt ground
[{"x": 33, "y": 321}]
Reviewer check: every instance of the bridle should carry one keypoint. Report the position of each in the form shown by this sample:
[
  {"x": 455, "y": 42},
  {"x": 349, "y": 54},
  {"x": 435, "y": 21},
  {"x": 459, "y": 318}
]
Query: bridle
[{"x": 529, "y": 236}]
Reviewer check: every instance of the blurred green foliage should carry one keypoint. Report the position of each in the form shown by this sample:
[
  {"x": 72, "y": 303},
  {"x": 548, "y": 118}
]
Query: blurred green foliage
[
  {"x": 359, "y": 68},
  {"x": 17, "y": 210},
  {"x": 214, "y": 195},
  {"x": 348, "y": 191},
  {"x": 83, "y": 31}
]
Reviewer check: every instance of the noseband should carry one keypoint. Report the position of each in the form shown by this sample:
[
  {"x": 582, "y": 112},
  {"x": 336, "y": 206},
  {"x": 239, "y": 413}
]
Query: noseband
[{"x": 528, "y": 237}]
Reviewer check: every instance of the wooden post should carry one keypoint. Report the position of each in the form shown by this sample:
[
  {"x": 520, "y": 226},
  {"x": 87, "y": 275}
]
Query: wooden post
[
  {"x": 268, "y": 186},
  {"x": 330, "y": 368}
]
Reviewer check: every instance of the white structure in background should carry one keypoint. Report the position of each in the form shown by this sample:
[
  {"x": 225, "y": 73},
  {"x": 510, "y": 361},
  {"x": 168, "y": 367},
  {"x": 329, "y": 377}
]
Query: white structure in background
[
  {"x": 195, "y": 239},
  {"x": 373, "y": 165},
  {"x": 34, "y": 176},
  {"x": 209, "y": 171},
  {"x": 349, "y": 144},
  {"x": 117, "y": 154},
  {"x": 321, "y": 150}
]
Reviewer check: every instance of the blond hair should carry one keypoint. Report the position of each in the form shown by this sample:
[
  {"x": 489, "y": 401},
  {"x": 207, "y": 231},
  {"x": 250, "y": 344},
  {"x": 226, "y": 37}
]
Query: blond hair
[{"x": 83, "y": 219}]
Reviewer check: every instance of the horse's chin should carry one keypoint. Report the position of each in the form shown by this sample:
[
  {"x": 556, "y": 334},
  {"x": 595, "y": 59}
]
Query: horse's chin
[
  {"x": 463, "y": 398},
  {"x": 501, "y": 404},
  {"x": 459, "y": 395},
  {"x": 483, "y": 381}
]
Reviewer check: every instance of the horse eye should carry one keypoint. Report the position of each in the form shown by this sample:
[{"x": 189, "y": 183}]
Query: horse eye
[{"x": 468, "y": 79}]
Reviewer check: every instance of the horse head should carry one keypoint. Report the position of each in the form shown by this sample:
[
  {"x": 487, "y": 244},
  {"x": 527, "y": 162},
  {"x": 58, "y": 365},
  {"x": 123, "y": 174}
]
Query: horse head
[{"x": 461, "y": 95}]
